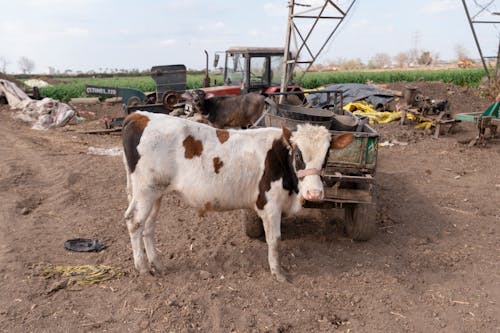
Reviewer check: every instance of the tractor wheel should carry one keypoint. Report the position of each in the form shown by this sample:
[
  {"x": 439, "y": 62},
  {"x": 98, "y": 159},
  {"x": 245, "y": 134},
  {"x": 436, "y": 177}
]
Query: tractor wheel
[{"x": 252, "y": 224}]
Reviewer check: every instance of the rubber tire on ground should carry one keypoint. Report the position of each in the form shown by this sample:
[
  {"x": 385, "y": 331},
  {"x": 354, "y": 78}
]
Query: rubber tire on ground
[
  {"x": 252, "y": 224},
  {"x": 359, "y": 221}
]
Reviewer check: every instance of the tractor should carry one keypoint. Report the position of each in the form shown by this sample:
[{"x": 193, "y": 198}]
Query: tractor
[{"x": 252, "y": 69}]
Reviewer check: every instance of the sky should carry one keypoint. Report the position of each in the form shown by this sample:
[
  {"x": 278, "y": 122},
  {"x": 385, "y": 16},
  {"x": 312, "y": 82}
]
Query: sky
[{"x": 97, "y": 34}]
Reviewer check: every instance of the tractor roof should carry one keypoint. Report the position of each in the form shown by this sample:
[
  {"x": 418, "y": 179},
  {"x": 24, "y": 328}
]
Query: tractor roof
[{"x": 266, "y": 50}]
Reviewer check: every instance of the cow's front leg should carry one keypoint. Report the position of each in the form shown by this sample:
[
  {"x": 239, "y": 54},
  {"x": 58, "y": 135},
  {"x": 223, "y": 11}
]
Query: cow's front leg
[
  {"x": 272, "y": 227},
  {"x": 149, "y": 237}
]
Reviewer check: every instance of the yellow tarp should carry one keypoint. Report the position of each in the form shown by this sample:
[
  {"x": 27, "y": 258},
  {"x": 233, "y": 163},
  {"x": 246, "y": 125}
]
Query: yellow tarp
[{"x": 382, "y": 117}]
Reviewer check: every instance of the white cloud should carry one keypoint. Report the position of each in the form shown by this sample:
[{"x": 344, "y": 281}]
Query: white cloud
[
  {"x": 275, "y": 9},
  {"x": 441, "y": 6},
  {"x": 74, "y": 31},
  {"x": 213, "y": 27},
  {"x": 168, "y": 42},
  {"x": 253, "y": 32}
]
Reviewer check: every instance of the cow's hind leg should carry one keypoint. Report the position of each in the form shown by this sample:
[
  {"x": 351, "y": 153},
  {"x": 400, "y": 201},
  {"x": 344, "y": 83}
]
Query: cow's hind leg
[
  {"x": 142, "y": 205},
  {"x": 149, "y": 237},
  {"x": 272, "y": 227}
]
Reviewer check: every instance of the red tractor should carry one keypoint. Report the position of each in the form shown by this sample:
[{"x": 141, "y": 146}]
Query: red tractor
[{"x": 252, "y": 69}]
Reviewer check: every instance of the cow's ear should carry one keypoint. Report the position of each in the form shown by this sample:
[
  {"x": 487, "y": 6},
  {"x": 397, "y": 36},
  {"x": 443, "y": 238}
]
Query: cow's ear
[
  {"x": 286, "y": 134},
  {"x": 342, "y": 140}
]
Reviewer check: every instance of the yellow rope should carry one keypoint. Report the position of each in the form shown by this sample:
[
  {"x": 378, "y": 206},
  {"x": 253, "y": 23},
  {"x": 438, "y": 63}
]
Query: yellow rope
[{"x": 82, "y": 275}]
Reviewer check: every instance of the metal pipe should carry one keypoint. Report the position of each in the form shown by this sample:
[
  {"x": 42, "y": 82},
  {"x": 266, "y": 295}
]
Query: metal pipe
[
  {"x": 284, "y": 74},
  {"x": 476, "y": 40},
  {"x": 206, "y": 81}
]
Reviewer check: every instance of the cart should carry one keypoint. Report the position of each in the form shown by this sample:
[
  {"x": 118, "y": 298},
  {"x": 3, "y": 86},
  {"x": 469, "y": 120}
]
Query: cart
[{"x": 349, "y": 175}]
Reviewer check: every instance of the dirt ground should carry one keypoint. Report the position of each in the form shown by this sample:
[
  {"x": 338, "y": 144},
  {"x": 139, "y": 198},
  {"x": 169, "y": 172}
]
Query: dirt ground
[{"x": 432, "y": 266}]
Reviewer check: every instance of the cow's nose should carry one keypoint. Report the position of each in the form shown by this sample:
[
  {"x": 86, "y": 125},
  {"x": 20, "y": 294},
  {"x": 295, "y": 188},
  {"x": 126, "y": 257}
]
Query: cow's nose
[{"x": 314, "y": 195}]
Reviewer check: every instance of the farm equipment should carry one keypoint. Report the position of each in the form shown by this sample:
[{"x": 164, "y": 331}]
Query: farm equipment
[
  {"x": 170, "y": 83},
  {"x": 349, "y": 174},
  {"x": 487, "y": 119},
  {"x": 433, "y": 112},
  {"x": 252, "y": 69}
]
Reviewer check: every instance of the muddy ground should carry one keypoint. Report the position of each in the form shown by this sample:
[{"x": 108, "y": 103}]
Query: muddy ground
[{"x": 432, "y": 266}]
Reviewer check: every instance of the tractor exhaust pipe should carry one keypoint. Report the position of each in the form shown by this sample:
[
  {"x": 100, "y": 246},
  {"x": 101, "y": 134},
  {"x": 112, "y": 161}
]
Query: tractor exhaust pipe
[{"x": 206, "y": 81}]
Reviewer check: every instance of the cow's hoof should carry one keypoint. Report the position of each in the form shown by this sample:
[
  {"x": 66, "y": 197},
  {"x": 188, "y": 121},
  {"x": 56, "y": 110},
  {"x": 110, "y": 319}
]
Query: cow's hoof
[
  {"x": 280, "y": 277},
  {"x": 142, "y": 268},
  {"x": 159, "y": 268}
]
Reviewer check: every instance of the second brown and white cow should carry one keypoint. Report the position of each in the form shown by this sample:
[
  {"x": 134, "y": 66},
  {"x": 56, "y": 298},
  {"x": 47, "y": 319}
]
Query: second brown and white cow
[{"x": 268, "y": 170}]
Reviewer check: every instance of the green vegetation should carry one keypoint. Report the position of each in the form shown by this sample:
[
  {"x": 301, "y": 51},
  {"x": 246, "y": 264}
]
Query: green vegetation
[
  {"x": 75, "y": 87},
  {"x": 462, "y": 77}
]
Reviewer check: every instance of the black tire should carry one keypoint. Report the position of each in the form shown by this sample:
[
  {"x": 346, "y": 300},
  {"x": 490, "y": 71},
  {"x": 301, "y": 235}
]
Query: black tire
[
  {"x": 252, "y": 224},
  {"x": 360, "y": 219}
]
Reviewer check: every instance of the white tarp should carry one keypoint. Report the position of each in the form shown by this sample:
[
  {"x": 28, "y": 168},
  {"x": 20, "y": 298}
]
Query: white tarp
[
  {"x": 36, "y": 83},
  {"x": 45, "y": 114}
]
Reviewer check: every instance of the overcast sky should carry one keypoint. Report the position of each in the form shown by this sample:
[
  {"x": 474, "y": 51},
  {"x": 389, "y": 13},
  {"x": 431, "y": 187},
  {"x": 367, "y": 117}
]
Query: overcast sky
[{"x": 94, "y": 34}]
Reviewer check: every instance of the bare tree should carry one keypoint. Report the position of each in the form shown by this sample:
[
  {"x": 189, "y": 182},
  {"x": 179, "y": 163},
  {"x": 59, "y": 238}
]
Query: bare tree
[
  {"x": 402, "y": 59},
  {"x": 26, "y": 65},
  {"x": 436, "y": 58},
  {"x": 461, "y": 52},
  {"x": 413, "y": 56},
  {"x": 425, "y": 58},
  {"x": 347, "y": 64},
  {"x": 3, "y": 64},
  {"x": 380, "y": 60}
]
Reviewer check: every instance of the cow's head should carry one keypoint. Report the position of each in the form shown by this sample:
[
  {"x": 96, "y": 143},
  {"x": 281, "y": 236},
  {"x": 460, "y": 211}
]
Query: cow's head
[
  {"x": 308, "y": 147},
  {"x": 196, "y": 97}
]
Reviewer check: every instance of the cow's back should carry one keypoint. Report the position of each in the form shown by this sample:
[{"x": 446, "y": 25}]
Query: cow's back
[{"x": 210, "y": 167}]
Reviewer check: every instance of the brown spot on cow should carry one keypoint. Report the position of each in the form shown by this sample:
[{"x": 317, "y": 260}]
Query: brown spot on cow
[
  {"x": 192, "y": 147},
  {"x": 206, "y": 208},
  {"x": 217, "y": 164},
  {"x": 222, "y": 135},
  {"x": 133, "y": 126},
  {"x": 277, "y": 166}
]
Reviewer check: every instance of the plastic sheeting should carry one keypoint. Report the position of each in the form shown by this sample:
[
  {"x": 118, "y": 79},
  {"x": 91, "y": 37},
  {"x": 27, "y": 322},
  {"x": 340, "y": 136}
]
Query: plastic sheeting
[
  {"x": 353, "y": 92},
  {"x": 44, "y": 114}
]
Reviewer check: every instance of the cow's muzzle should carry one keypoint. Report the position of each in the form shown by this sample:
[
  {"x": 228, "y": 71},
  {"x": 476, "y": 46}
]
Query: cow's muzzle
[
  {"x": 314, "y": 195},
  {"x": 311, "y": 195}
]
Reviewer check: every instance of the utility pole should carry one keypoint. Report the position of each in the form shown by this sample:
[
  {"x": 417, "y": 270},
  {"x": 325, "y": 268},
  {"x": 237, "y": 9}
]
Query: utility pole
[{"x": 304, "y": 53}]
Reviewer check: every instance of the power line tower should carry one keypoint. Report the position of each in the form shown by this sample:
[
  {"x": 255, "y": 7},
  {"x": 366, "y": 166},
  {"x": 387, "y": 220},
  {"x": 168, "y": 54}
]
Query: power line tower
[
  {"x": 475, "y": 20},
  {"x": 301, "y": 26}
]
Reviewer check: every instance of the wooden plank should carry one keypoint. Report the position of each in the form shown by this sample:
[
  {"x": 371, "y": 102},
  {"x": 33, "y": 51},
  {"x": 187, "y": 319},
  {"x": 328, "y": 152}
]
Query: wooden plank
[
  {"x": 103, "y": 131},
  {"x": 347, "y": 195}
]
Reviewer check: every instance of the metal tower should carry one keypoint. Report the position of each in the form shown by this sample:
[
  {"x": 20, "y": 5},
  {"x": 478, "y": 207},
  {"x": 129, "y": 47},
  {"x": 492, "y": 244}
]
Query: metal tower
[
  {"x": 304, "y": 53},
  {"x": 473, "y": 21}
]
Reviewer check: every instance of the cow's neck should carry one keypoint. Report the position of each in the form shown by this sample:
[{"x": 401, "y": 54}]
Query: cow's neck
[{"x": 278, "y": 165}]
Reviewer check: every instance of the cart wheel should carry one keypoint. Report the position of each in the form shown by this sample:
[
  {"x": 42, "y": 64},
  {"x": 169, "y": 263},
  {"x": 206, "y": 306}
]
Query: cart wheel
[
  {"x": 252, "y": 224},
  {"x": 133, "y": 101},
  {"x": 169, "y": 99},
  {"x": 359, "y": 221}
]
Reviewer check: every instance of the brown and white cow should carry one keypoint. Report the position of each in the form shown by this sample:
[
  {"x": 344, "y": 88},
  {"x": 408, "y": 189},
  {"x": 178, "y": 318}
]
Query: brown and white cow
[
  {"x": 268, "y": 170},
  {"x": 227, "y": 111}
]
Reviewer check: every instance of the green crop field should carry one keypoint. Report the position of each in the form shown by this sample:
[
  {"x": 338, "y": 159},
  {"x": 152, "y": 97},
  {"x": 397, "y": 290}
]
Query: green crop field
[{"x": 75, "y": 87}]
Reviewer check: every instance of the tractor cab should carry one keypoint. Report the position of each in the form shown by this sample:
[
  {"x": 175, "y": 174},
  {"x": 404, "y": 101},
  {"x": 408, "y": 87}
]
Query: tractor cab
[{"x": 251, "y": 69}]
